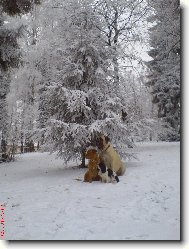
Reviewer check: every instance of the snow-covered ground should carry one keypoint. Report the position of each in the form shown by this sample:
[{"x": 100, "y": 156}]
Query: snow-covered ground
[{"x": 46, "y": 201}]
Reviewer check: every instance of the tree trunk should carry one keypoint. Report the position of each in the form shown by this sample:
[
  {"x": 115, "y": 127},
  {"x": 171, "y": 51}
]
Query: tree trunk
[
  {"x": 152, "y": 112},
  {"x": 3, "y": 146},
  {"x": 22, "y": 144},
  {"x": 82, "y": 165},
  {"x": 115, "y": 40}
]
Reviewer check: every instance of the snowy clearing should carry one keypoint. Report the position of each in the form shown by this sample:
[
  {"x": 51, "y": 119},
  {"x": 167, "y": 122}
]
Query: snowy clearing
[{"x": 45, "y": 201}]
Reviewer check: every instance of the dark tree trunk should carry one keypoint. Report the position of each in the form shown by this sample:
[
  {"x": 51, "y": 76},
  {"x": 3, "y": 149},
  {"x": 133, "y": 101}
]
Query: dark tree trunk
[
  {"x": 38, "y": 145},
  {"x": 22, "y": 144},
  {"x": 82, "y": 165},
  {"x": 3, "y": 146}
]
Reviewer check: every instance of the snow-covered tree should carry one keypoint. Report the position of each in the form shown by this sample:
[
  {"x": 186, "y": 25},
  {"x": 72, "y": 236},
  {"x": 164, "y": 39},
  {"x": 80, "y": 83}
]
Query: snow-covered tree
[
  {"x": 17, "y": 7},
  {"x": 123, "y": 23},
  {"x": 75, "y": 80},
  {"x": 9, "y": 53},
  {"x": 164, "y": 76},
  {"x": 141, "y": 119},
  {"x": 22, "y": 104},
  {"x": 80, "y": 95}
]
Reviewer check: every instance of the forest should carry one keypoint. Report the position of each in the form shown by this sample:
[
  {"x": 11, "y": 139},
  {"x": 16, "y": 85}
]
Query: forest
[{"x": 71, "y": 70}]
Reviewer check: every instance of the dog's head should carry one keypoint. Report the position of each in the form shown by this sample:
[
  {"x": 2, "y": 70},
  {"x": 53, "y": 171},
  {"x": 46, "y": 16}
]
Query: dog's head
[
  {"x": 102, "y": 142},
  {"x": 91, "y": 154}
]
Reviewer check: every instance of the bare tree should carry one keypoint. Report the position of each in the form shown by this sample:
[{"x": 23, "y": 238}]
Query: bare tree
[{"x": 121, "y": 18}]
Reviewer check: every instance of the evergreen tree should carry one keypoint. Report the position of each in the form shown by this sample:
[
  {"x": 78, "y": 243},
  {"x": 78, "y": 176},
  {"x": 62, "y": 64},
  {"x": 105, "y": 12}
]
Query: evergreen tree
[
  {"x": 9, "y": 55},
  {"x": 82, "y": 100},
  {"x": 164, "y": 77},
  {"x": 17, "y": 7}
]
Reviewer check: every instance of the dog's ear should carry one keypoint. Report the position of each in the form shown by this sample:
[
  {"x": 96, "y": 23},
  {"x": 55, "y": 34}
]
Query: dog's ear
[
  {"x": 107, "y": 139},
  {"x": 99, "y": 143}
]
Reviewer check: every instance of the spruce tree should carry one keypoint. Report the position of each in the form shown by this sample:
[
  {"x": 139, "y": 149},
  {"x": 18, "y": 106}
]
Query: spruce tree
[
  {"x": 164, "y": 76},
  {"x": 82, "y": 101}
]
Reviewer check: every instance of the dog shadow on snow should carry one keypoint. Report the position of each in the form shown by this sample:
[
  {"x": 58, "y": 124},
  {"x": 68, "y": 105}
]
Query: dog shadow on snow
[{"x": 73, "y": 172}]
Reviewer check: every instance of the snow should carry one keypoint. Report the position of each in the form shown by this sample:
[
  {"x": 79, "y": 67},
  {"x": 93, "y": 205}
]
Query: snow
[{"x": 45, "y": 200}]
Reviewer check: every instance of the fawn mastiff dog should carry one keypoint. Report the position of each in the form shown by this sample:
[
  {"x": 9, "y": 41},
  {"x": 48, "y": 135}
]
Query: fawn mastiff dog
[{"x": 110, "y": 157}]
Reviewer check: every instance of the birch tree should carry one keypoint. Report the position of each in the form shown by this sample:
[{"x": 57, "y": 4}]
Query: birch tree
[{"x": 9, "y": 53}]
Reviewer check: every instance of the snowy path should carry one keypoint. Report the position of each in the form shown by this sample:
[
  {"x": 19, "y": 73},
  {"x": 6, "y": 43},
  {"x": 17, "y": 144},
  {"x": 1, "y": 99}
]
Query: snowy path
[{"x": 45, "y": 202}]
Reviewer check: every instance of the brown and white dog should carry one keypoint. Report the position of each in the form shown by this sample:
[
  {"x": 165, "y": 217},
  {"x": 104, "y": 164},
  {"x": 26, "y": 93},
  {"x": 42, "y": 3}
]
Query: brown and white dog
[{"x": 110, "y": 157}]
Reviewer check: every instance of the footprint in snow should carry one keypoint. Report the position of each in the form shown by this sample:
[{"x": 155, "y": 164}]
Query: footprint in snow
[
  {"x": 128, "y": 238},
  {"x": 135, "y": 218},
  {"x": 142, "y": 236},
  {"x": 22, "y": 226},
  {"x": 15, "y": 205},
  {"x": 154, "y": 218},
  {"x": 18, "y": 219},
  {"x": 98, "y": 207}
]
